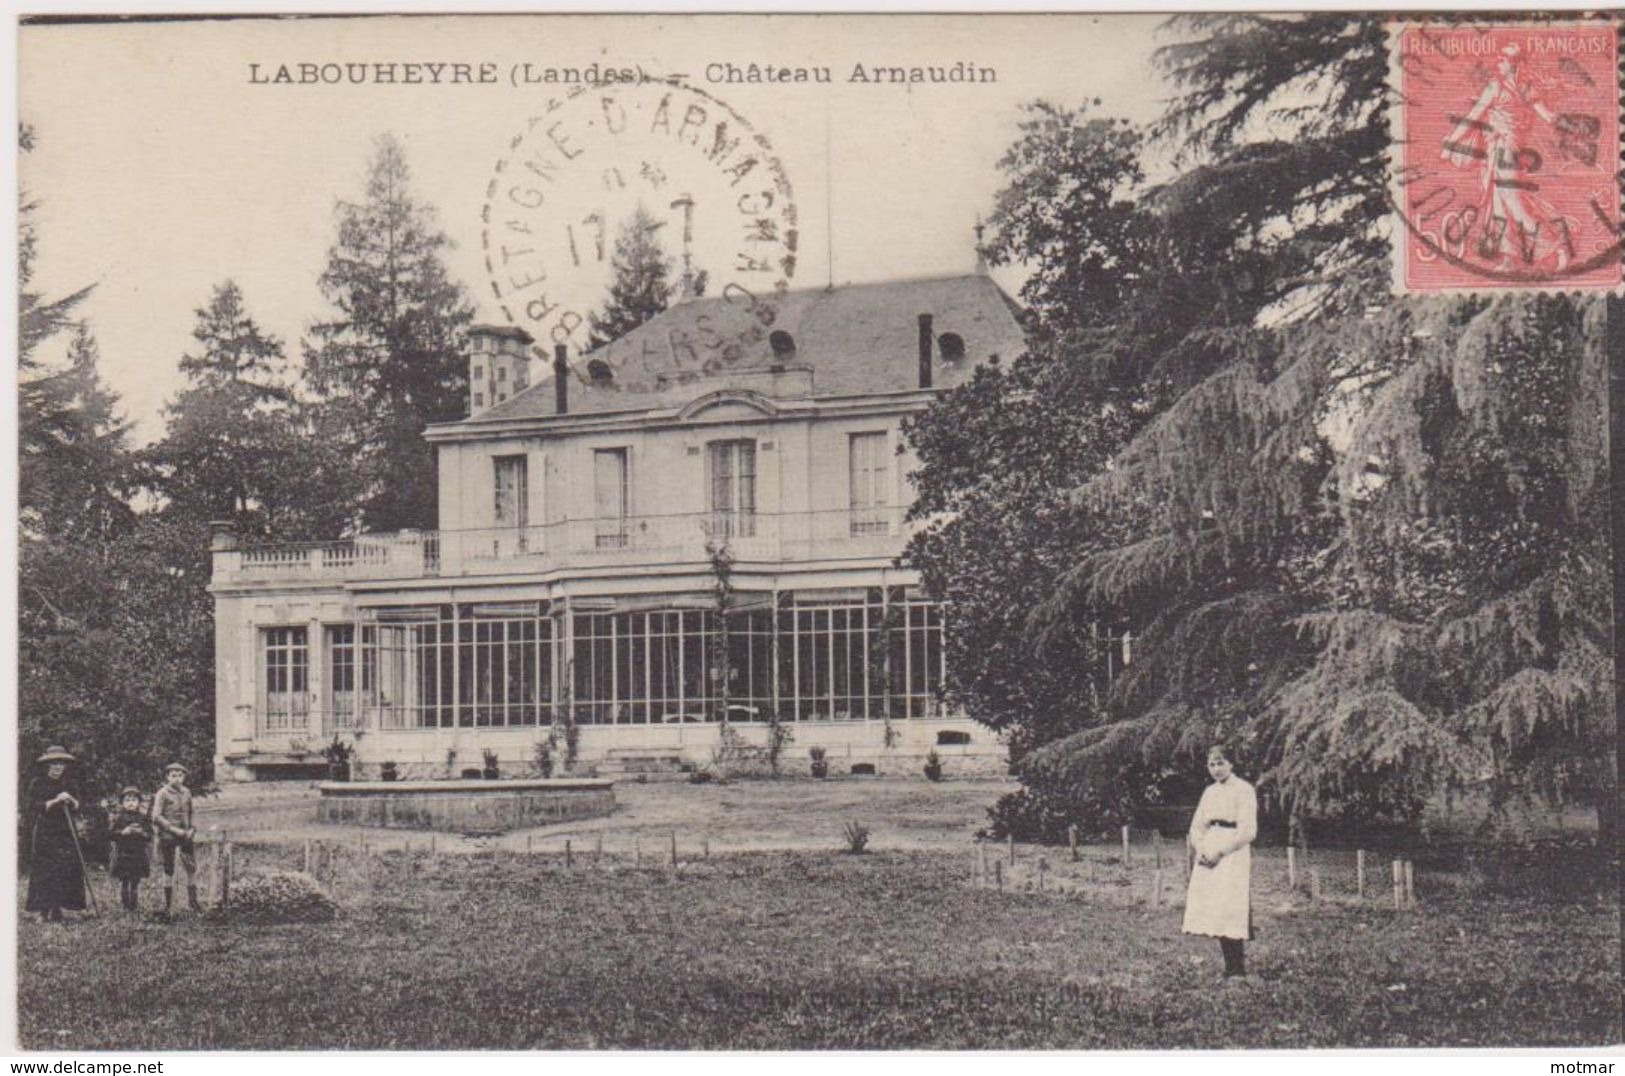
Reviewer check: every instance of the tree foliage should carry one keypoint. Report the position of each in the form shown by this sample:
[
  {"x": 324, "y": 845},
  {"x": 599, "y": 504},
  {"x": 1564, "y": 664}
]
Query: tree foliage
[
  {"x": 640, "y": 285},
  {"x": 237, "y": 445},
  {"x": 1363, "y": 536},
  {"x": 390, "y": 359}
]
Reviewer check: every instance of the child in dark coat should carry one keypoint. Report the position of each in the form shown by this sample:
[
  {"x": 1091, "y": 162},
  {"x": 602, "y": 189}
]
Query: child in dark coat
[{"x": 132, "y": 834}]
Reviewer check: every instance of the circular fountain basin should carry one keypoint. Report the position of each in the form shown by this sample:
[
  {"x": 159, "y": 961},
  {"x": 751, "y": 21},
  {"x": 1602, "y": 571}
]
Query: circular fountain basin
[{"x": 465, "y": 806}]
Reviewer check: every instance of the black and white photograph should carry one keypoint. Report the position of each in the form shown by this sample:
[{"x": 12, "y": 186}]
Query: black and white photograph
[{"x": 818, "y": 532}]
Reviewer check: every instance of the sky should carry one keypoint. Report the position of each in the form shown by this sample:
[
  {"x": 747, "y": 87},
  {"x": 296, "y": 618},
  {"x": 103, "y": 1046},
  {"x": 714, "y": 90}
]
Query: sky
[{"x": 166, "y": 162}]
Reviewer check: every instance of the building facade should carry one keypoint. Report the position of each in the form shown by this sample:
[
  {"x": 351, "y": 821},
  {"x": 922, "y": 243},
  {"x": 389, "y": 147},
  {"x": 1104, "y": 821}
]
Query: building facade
[{"x": 694, "y": 528}]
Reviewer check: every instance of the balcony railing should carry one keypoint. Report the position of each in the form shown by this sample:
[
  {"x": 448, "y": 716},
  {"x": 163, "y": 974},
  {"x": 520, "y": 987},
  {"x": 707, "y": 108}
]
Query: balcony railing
[{"x": 680, "y": 538}]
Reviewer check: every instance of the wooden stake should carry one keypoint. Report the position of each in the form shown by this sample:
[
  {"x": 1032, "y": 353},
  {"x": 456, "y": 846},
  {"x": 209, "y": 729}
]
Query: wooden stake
[
  {"x": 431, "y": 844},
  {"x": 1399, "y": 885},
  {"x": 998, "y": 874},
  {"x": 1292, "y": 868},
  {"x": 530, "y": 843},
  {"x": 569, "y": 858},
  {"x": 1125, "y": 846},
  {"x": 674, "y": 848},
  {"x": 1156, "y": 847},
  {"x": 1410, "y": 885},
  {"x": 1072, "y": 841},
  {"x": 1043, "y": 872},
  {"x": 705, "y": 847},
  {"x": 1314, "y": 884},
  {"x": 1011, "y": 838},
  {"x": 307, "y": 855},
  {"x": 1359, "y": 873},
  {"x": 1156, "y": 887},
  {"x": 598, "y": 849},
  {"x": 982, "y": 849},
  {"x": 225, "y": 877}
]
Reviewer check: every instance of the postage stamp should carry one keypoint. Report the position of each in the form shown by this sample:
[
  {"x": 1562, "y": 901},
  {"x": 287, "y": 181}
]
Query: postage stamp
[
  {"x": 1506, "y": 158},
  {"x": 644, "y": 153}
]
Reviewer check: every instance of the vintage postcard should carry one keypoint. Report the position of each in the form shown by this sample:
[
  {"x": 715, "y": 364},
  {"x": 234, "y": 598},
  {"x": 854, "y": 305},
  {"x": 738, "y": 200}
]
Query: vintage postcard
[{"x": 814, "y": 532}]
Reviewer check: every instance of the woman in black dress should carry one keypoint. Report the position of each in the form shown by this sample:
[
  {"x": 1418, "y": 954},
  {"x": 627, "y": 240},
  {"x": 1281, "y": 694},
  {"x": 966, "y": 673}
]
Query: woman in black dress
[{"x": 56, "y": 874}]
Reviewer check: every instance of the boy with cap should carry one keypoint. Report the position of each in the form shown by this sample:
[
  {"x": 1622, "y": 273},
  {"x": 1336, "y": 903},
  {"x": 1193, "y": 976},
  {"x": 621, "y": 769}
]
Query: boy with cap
[
  {"x": 172, "y": 816},
  {"x": 132, "y": 832}
]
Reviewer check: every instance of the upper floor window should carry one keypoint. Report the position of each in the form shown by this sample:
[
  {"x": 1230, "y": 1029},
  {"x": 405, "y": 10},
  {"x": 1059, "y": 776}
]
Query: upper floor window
[
  {"x": 731, "y": 467},
  {"x": 870, "y": 482},
  {"x": 611, "y": 496},
  {"x": 511, "y": 507}
]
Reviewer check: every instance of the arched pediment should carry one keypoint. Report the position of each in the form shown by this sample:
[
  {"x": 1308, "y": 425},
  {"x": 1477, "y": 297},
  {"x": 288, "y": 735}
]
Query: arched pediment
[{"x": 731, "y": 403}]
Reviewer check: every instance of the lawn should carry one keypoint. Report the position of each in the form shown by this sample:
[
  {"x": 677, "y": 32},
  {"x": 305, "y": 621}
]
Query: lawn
[{"x": 815, "y": 949}]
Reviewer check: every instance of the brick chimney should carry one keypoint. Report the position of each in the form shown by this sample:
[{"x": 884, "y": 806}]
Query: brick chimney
[
  {"x": 561, "y": 379},
  {"x": 925, "y": 351},
  {"x": 498, "y": 365}
]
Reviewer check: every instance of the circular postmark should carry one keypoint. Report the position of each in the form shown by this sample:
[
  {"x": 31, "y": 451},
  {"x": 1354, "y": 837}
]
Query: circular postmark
[
  {"x": 1507, "y": 163},
  {"x": 602, "y": 161}
]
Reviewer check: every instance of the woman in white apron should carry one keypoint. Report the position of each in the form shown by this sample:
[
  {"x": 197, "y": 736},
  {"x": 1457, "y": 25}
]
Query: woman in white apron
[{"x": 1219, "y": 901}]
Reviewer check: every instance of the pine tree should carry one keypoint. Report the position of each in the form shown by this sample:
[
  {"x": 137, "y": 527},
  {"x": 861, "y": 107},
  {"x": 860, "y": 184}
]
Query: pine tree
[
  {"x": 1361, "y": 536},
  {"x": 38, "y": 318},
  {"x": 237, "y": 445},
  {"x": 73, "y": 479},
  {"x": 640, "y": 285},
  {"x": 391, "y": 359}
]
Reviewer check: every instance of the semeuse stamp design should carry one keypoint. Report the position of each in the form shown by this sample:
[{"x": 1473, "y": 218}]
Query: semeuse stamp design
[
  {"x": 1507, "y": 157},
  {"x": 589, "y": 159}
]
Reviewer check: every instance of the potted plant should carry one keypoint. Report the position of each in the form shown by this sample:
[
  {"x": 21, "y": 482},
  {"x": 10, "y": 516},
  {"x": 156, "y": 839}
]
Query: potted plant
[
  {"x": 933, "y": 767},
  {"x": 820, "y": 766},
  {"x": 491, "y": 773},
  {"x": 544, "y": 755},
  {"x": 338, "y": 755}
]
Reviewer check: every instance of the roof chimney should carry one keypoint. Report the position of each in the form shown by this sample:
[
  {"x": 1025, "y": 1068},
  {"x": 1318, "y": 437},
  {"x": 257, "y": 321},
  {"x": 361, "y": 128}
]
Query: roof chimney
[
  {"x": 561, "y": 379},
  {"x": 925, "y": 351},
  {"x": 498, "y": 365}
]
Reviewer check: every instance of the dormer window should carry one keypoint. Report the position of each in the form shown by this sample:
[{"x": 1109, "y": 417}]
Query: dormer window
[
  {"x": 783, "y": 345},
  {"x": 600, "y": 372},
  {"x": 953, "y": 347}
]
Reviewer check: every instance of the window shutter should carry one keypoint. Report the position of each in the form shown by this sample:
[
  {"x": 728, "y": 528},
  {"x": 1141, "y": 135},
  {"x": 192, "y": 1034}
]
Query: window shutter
[{"x": 536, "y": 479}]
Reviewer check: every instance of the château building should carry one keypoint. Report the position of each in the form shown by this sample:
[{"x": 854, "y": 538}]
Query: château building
[{"x": 699, "y": 521}]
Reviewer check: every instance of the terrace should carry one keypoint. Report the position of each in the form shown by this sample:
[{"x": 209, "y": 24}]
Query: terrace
[{"x": 579, "y": 543}]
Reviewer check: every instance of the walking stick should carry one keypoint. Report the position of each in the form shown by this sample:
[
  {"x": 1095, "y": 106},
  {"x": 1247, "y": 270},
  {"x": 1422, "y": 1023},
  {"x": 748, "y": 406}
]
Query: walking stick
[{"x": 84, "y": 873}]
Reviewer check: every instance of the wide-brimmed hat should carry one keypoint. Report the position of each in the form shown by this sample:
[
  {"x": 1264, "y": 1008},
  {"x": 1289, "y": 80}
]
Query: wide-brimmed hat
[
  {"x": 56, "y": 753},
  {"x": 131, "y": 791},
  {"x": 172, "y": 767}
]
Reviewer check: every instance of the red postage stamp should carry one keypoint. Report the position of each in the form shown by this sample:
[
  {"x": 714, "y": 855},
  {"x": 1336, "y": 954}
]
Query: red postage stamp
[{"x": 1506, "y": 166}]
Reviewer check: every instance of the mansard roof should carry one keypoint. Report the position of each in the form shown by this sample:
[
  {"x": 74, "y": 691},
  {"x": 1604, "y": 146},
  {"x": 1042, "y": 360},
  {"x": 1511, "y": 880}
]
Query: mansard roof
[{"x": 856, "y": 340}]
